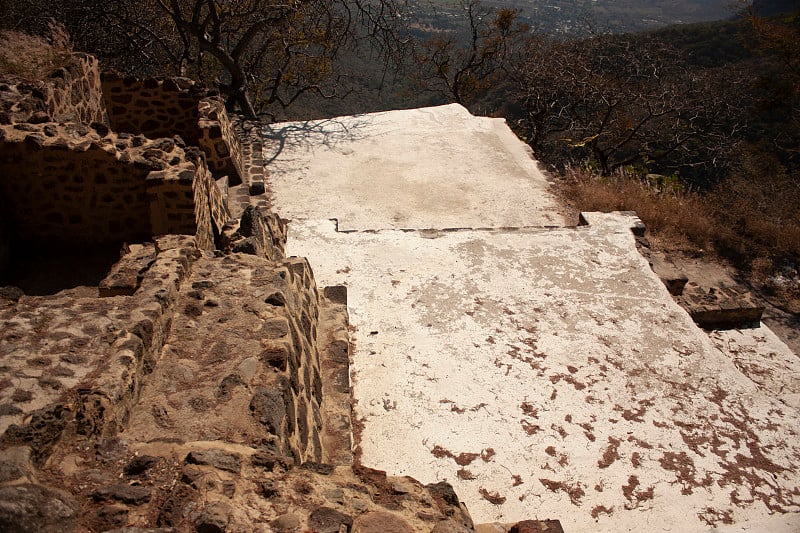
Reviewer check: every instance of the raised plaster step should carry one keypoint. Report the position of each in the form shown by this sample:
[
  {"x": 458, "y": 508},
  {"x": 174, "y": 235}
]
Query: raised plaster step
[
  {"x": 549, "y": 374},
  {"x": 545, "y": 373}
]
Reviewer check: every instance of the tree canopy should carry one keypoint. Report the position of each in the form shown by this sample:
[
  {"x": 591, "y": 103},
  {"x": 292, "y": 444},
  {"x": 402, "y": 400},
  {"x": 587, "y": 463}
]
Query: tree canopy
[{"x": 259, "y": 53}]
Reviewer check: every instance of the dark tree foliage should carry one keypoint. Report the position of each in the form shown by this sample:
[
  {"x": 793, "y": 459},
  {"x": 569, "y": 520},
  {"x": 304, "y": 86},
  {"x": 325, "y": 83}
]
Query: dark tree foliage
[
  {"x": 620, "y": 101},
  {"x": 462, "y": 67},
  {"x": 776, "y": 43}
]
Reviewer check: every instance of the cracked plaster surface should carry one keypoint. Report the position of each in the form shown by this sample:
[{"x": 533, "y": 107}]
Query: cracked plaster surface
[{"x": 547, "y": 372}]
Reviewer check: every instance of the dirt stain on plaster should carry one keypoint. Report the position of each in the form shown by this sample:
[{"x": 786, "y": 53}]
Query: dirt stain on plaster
[
  {"x": 636, "y": 497},
  {"x": 601, "y": 509},
  {"x": 611, "y": 453},
  {"x": 465, "y": 474},
  {"x": 712, "y": 516},
  {"x": 492, "y": 497},
  {"x": 575, "y": 492},
  {"x": 462, "y": 459}
]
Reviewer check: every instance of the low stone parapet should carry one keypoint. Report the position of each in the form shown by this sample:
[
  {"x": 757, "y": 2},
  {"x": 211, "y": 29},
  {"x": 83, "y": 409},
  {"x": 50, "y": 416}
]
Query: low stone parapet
[
  {"x": 218, "y": 140},
  {"x": 72, "y": 93},
  {"x": 153, "y": 107},
  {"x": 76, "y": 364}
]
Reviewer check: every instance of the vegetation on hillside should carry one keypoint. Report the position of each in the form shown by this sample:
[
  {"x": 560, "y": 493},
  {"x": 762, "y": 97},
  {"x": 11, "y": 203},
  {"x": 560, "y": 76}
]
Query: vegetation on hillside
[
  {"x": 733, "y": 189},
  {"x": 33, "y": 57}
]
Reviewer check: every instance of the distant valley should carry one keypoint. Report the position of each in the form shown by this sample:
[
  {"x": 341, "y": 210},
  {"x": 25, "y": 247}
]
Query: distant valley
[{"x": 575, "y": 17}]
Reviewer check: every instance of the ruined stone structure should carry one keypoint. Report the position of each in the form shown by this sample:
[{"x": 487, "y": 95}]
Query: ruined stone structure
[
  {"x": 164, "y": 366},
  {"x": 71, "y": 94},
  {"x": 200, "y": 381},
  {"x": 165, "y": 108},
  {"x": 93, "y": 190}
]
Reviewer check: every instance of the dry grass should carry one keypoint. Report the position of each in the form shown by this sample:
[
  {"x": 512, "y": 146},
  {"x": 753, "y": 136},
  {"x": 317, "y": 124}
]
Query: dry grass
[
  {"x": 669, "y": 215},
  {"x": 33, "y": 58}
]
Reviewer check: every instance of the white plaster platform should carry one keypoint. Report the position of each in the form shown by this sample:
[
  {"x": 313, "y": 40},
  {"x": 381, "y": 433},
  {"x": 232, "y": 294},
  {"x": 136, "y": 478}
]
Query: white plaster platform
[
  {"x": 420, "y": 168},
  {"x": 546, "y": 372}
]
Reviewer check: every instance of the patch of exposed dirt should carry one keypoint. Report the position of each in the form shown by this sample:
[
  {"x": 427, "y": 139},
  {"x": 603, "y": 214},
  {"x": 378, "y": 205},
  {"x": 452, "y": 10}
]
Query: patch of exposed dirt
[{"x": 575, "y": 492}]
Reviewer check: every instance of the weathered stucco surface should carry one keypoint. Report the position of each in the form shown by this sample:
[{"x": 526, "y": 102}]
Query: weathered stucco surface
[
  {"x": 544, "y": 372},
  {"x": 419, "y": 168}
]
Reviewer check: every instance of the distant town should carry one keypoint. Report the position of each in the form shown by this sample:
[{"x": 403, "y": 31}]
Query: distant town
[{"x": 578, "y": 17}]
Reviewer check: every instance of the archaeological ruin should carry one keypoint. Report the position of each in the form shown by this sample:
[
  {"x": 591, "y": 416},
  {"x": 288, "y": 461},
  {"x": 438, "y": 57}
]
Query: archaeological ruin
[{"x": 382, "y": 323}]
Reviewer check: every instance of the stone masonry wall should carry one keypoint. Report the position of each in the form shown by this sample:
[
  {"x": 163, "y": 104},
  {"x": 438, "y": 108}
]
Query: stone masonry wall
[
  {"x": 185, "y": 199},
  {"x": 259, "y": 232},
  {"x": 219, "y": 141},
  {"x": 164, "y": 108},
  {"x": 77, "y": 94},
  {"x": 253, "y": 165},
  {"x": 152, "y": 107},
  {"x": 188, "y": 398},
  {"x": 75, "y": 365},
  {"x": 67, "y": 184},
  {"x": 72, "y": 93},
  {"x": 242, "y": 366}
]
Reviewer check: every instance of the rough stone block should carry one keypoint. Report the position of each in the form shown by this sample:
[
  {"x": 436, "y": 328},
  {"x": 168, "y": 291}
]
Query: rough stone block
[
  {"x": 537, "y": 526},
  {"x": 23, "y": 508},
  {"x": 720, "y": 307},
  {"x": 336, "y": 294},
  {"x": 228, "y": 461},
  {"x": 269, "y": 408}
]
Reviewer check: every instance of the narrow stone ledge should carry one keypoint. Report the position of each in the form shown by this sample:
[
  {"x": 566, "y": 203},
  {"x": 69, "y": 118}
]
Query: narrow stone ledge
[{"x": 721, "y": 307}]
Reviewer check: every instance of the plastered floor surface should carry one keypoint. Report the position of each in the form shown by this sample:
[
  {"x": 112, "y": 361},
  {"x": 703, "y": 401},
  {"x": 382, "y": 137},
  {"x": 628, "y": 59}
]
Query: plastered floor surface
[{"x": 544, "y": 372}]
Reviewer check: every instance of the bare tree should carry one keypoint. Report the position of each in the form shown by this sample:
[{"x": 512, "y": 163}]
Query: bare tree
[
  {"x": 619, "y": 101},
  {"x": 775, "y": 43},
  {"x": 260, "y": 53},
  {"x": 461, "y": 66}
]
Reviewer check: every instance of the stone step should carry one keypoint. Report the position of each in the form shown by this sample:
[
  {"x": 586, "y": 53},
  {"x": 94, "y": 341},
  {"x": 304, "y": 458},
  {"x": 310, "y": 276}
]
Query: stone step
[
  {"x": 240, "y": 363},
  {"x": 720, "y": 307}
]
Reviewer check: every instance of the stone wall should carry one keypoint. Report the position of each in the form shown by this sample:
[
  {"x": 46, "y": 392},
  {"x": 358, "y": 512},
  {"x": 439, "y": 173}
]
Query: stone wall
[
  {"x": 64, "y": 183},
  {"x": 166, "y": 107},
  {"x": 185, "y": 199},
  {"x": 76, "y": 94},
  {"x": 219, "y": 141},
  {"x": 254, "y": 170},
  {"x": 72, "y": 93},
  {"x": 259, "y": 232},
  {"x": 191, "y": 397},
  {"x": 76, "y": 365},
  {"x": 153, "y": 107}
]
